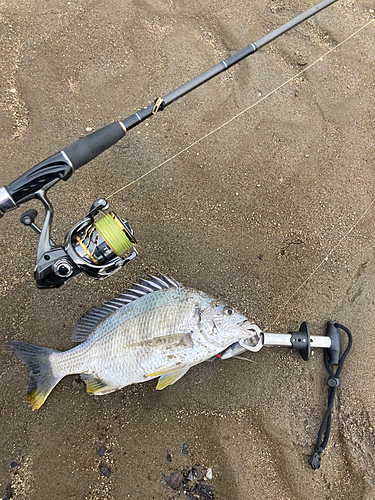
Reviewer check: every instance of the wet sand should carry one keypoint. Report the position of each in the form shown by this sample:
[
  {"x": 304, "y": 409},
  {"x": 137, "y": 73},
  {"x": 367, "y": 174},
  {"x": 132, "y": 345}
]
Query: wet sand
[{"x": 274, "y": 200}]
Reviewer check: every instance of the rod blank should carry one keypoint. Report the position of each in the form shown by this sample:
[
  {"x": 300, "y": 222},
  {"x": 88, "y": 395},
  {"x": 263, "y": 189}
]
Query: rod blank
[{"x": 63, "y": 164}]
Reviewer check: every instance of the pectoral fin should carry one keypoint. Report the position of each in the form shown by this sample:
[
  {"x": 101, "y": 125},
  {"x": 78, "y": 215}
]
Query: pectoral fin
[
  {"x": 96, "y": 386},
  {"x": 171, "y": 378}
]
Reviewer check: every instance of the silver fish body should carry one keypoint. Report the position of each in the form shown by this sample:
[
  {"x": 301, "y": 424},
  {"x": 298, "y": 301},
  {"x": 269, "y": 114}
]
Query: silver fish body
[{"x": 159, "y": 329}]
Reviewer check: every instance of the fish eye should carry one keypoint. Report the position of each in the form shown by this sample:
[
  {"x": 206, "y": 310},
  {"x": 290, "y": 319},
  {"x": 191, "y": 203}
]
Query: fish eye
[{"x": 228, "y": 311}]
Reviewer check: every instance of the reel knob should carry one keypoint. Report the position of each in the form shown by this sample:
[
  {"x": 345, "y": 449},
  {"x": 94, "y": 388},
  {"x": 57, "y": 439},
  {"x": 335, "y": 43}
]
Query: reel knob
[{"x": 28, "y": 217}]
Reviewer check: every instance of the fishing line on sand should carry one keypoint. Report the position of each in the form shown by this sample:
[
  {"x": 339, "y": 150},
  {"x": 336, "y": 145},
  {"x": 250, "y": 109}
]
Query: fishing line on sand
[
  {"x": 323, "y": 261},
  {"x": 234, "y": 118},
  {"x": 239, "y": 114}
]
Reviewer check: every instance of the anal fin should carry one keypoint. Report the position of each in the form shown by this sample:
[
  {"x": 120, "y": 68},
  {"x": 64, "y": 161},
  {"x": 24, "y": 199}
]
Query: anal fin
[
  {"x": 96, "y": 385},
  {"x": 171, "y": 378}
]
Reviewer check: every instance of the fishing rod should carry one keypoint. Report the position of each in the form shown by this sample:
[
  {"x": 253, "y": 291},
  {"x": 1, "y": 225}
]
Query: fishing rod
[{"x": 99, "y": 248}]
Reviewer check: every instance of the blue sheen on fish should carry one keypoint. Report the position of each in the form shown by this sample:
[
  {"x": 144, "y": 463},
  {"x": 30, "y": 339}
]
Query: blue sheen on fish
[{"x": 156, "y": 329}]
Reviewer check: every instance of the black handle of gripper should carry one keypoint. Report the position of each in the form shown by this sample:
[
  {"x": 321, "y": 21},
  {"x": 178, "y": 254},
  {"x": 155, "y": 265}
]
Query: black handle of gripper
[
  {"x": 301, "y": 341},
  {"x": 334, "y": 352},
  {"x": 331, "y": 356}
]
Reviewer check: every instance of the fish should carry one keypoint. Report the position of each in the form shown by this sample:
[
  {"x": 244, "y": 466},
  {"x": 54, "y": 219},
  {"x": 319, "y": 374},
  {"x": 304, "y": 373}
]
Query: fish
[{"x": 158, "y": 328}]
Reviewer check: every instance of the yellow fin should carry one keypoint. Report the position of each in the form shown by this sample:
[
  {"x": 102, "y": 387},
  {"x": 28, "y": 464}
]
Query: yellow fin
[
  {"x": 41, "y": 380},
  {"x": 95, "y": 385},
  {"x": 161, "y": 372},
  {"x": 37, "y": 398},
  {"x": 171, "y": 378}
]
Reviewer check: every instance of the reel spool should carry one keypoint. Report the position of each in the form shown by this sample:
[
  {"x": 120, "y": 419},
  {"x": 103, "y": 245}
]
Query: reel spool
[
  {"x": 101, "y": 241},
  {"x": 98, "y": 248}
]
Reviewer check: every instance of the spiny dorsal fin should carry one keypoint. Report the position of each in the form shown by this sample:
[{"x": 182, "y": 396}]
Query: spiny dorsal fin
[{"x": 88, "y": 321}]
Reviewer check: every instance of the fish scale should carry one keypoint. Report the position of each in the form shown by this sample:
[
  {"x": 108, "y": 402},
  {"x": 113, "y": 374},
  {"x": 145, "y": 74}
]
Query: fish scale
[
  {"x": 105, "y": 353},
  {"x": 158, "y": 329},
  {"x": 118, "y": 351}
]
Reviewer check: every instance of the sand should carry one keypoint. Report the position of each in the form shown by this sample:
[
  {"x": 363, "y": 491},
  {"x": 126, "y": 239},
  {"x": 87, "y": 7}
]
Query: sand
[{"x": 272, "y": 213}]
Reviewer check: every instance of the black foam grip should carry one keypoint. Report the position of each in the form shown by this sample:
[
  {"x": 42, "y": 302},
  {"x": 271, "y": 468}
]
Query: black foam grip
[{"x": 87, "y": 148}]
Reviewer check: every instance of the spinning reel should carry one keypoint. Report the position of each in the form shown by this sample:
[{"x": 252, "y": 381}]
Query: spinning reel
[{"x": 97, "y": 248}]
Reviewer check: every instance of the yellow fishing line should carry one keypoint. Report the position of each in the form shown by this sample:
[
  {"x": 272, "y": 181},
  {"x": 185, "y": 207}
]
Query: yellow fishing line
[
  {"x": 113, "y": 235},
  {"x": 241, "y": 112},
  {"x": 323, "y": 261}
]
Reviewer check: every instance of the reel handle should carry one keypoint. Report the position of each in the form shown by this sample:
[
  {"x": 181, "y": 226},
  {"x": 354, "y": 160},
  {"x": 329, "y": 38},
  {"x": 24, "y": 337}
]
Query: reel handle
[{"x": 28, "y": 217}]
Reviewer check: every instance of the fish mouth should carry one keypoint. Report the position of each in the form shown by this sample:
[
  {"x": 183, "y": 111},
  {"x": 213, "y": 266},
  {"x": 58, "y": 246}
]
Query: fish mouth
[{"x": 251, "y": 331}]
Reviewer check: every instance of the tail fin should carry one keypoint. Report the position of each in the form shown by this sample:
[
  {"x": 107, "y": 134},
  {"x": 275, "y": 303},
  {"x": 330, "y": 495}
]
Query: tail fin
[{"x": 42, "y": 379}]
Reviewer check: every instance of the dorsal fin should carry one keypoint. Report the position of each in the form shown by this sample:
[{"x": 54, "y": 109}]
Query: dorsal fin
[{"x": 88, "y": 321}]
